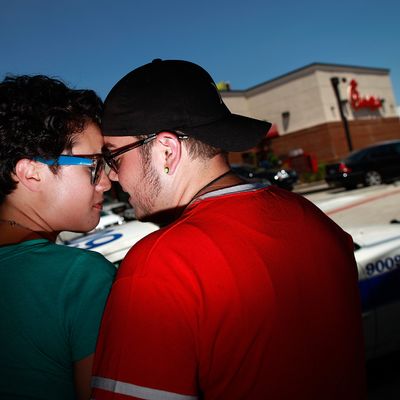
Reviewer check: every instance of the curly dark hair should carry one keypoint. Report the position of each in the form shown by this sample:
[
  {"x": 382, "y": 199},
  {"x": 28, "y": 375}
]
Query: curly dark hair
[{"x": 40, "y": 116}]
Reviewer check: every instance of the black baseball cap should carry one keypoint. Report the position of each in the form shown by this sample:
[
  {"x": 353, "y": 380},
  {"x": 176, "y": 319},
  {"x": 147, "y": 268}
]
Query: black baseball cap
[{"x": 176, "y": 95}]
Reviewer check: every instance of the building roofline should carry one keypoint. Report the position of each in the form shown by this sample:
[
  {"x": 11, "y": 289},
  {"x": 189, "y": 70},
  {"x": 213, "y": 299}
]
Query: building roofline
[{"x": 308, "y": 69}]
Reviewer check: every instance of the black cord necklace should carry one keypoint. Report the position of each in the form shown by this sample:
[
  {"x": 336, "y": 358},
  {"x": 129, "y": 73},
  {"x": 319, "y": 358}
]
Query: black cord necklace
[{"x": 209, "y": 184}]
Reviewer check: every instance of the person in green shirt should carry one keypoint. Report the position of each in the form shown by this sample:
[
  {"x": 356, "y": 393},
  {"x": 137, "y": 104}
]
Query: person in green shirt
[{"x": 52, "y": 179}]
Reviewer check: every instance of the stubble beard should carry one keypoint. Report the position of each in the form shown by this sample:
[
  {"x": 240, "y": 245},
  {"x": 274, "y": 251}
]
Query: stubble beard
[{"x": 147, "y": 192}]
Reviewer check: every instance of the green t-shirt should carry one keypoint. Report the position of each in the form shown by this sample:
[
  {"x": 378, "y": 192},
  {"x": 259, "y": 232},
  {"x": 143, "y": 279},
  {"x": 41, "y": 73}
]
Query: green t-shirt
[{"x": 51, "y": 302}]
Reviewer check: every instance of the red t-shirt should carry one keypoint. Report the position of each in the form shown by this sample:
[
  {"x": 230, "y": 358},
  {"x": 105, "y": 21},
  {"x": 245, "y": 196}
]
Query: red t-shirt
[{"x": 249, "y": 295}]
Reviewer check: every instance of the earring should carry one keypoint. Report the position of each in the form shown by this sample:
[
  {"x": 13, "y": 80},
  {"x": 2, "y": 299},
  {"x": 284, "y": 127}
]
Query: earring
[{"x": 166, "y": 170}]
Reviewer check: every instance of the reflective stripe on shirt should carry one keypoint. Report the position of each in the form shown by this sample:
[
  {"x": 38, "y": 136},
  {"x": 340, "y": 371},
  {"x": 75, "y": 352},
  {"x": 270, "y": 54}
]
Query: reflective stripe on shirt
[
  {"x": 244, "y": 187},
  {"x": 128, "y": 389}
]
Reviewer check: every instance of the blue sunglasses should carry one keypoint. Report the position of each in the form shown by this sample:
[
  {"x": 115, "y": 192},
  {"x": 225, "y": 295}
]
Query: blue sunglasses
[{"x": 95, "y": 162}]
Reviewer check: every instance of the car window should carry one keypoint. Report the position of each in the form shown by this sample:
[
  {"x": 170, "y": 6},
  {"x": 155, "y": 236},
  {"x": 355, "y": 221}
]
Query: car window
[
  {"x": 357, "y": 155},
  {"x": 396, "y": 148},
  {"x": 379, "y": 152}
]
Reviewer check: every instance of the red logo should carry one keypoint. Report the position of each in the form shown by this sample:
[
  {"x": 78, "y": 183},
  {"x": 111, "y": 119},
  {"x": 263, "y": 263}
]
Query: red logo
[{"x": 357, "y": 102}]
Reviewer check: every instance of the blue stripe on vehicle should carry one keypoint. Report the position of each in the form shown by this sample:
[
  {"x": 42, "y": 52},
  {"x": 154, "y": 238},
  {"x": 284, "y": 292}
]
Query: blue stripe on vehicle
[
  {"x": 128, "y": 389},
  {"x": 380, "y": 290}
]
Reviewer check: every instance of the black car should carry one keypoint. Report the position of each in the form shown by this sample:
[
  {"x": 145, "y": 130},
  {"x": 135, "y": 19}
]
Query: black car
[
  {"x": 281, "y": 177},
  {"x": 369, "y": 166}
]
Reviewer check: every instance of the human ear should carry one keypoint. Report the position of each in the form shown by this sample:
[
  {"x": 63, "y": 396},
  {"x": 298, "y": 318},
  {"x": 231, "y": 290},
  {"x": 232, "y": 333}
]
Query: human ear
[
  {"x": 171, "y": 151},
  {"x": 28, "y": 173}
]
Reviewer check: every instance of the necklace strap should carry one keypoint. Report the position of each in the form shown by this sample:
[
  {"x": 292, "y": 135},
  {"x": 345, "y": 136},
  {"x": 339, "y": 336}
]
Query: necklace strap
[{"x": 210, "y": 183}]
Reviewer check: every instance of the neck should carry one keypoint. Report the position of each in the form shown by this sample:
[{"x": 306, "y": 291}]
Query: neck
[
  {"x": 221, "y": 181},
  {"x": 15, "y": 232},
  {"x": 210, "y": 185}
]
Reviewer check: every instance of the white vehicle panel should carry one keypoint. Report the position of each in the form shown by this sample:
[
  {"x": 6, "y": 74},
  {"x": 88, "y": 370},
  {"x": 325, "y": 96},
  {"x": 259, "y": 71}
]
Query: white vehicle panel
[
  {"x": 378, "y": 261},
  {"x": 114, "y": 242}
]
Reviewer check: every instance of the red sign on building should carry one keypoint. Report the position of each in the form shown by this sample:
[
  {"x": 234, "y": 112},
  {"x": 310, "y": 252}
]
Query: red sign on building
[{"x": 357, "y": 102}]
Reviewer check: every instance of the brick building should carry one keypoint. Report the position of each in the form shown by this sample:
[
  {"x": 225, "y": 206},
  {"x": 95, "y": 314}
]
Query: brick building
[{"x": 306, "y": 118}]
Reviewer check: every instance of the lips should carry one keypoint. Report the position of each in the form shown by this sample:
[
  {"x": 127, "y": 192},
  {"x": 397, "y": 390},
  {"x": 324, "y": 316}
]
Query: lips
[{"x": 98, "y": 206}]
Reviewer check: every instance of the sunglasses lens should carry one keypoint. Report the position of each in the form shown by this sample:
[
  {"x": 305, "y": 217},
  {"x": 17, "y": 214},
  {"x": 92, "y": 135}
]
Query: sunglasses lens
[
  {"x": 110, "y": 160},
  {"x": 112, "y": 163},
  {"x": 97, "y": 171}
]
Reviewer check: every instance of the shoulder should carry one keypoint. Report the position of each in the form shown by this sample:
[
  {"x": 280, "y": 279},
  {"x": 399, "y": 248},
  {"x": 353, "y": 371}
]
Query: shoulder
[
  {"x": 165, "y": 248},
  {"x": 81, "y": 261}
]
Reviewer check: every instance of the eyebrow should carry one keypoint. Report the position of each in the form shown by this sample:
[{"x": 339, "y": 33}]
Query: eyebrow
[{"x": 113, "y": 146}]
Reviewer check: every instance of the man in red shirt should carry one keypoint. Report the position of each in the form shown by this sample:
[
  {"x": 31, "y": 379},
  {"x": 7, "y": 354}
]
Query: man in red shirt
[{"x": 247, "y": 291}]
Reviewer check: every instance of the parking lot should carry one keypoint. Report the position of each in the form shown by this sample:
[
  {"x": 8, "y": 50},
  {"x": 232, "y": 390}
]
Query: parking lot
[{"x": 365, "y": 206}]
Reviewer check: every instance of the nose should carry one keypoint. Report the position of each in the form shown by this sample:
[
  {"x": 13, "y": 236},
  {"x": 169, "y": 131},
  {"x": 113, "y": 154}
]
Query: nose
[{"x": 104, "y": 182}]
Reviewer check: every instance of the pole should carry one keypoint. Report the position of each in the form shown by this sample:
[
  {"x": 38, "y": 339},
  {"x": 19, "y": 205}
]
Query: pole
[{"x": 335, "y": 85}]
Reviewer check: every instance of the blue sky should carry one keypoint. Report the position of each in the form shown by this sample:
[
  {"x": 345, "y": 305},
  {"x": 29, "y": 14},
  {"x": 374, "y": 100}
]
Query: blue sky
[{"x": 93, "y": 43}]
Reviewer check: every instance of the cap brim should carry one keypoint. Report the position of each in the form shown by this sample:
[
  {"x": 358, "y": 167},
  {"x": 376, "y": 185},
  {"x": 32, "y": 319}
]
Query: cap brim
[{"x": 232, "y": 133}]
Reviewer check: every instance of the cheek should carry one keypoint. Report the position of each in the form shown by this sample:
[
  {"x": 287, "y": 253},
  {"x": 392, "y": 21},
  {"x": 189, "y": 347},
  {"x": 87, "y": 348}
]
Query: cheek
[
  {"x": 126, "y": 181},
  {"x": 67, "y": 203},
  {"x": 74, "y": 185},
  {"x": 71, "y": 196},
  {"x": 74, "y": 197},
  {"x": 128, "y": 174}
]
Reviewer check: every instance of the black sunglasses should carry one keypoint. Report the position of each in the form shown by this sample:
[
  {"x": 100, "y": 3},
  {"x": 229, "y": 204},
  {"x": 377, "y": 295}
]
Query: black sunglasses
[{"x": 110, "y": 157}]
